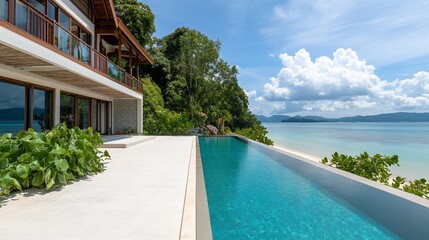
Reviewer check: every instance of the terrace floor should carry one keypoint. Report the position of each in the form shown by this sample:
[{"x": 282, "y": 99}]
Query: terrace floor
[{"x": 140, "y": 195}]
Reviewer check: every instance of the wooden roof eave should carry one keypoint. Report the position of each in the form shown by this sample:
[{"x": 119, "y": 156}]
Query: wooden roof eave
[
  {"x": 113, "y": 10},
  {"x": 126, "y": 33},
  {"x": 105, "y": 11}
]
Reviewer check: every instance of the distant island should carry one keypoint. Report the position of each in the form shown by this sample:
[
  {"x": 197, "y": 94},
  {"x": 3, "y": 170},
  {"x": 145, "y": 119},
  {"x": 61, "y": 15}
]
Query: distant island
[{"x": 389, "y": 117}]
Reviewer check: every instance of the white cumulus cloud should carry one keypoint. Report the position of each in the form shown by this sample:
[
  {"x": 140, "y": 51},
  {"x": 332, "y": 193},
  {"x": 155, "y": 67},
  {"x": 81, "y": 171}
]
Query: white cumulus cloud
[
  {"x": 250, "y": 94},
  {"x": 340, "y": 83},
  {"x": 301, "y": 78}
]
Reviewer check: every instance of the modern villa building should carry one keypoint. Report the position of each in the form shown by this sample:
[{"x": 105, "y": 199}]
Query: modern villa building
[{"x": 59, "y": 63}]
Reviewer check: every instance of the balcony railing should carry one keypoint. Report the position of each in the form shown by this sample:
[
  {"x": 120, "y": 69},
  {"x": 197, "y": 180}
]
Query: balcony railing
[{"x": 49, "y": 31}]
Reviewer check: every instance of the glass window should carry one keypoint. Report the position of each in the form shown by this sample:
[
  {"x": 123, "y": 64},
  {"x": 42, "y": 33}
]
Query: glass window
[
  {"x": 85, "y": 36},
  {"x": 75, "y": 28},
  {"x": 38, "y": 4},
  {"x": 21, "y": 16},
  {"x": 65, "y": 21},
  {"x": 102, "y": 117},
  {"x": 42, "y": 111},
  {"x": 4, "y": 9},
  {"x": 52, "y": 11},
  {"x": 84, "y": 107},
  {"x": 84, "y": 6},
  {"x": 67, "y": 109},
  {"x": 12, "y": 108}
]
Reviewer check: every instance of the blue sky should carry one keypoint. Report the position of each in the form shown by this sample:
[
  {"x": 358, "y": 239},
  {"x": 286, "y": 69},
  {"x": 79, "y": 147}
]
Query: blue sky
[{"x": 316, "y": 57}]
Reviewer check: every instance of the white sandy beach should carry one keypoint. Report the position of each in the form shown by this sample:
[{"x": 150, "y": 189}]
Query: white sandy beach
[{"x": 298, "y": 153}]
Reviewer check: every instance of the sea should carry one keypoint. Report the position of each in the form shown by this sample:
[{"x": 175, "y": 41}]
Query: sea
[
  {"x": 410, "y": 141},
  {"x": 15, "y": 126}
]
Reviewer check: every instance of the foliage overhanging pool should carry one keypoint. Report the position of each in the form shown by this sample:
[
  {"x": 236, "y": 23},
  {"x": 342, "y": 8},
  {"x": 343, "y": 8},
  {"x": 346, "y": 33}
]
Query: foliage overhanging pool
[{"x": 256, "y": 193}]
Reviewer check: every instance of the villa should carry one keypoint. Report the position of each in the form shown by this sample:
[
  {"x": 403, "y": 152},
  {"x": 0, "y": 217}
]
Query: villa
[{"x": 59, "y": 63}]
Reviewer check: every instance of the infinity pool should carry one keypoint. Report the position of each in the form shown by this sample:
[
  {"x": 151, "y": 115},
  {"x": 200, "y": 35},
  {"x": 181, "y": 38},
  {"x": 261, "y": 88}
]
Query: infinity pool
[{"x": 253, "y": 194}]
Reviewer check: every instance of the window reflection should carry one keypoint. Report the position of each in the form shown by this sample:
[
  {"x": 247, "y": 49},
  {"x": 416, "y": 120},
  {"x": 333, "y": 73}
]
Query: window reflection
[
  {"x": 42, "y": 111},
  {"x": 52, "y": 11},
  {"x": 84, "y": 107},
  {"x": 4, "y": 9},
  {"x": 21, "y": 16},
  {"x": 12, "y": 105},
  {"x": 38, "y": 4},
  {"x": 67, "y": 109}
]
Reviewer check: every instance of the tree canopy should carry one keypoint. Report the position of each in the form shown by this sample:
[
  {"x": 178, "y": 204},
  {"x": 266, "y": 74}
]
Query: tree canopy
[
  {"x": 189, "y": 86},
  {"x": 138, "y": 18}
]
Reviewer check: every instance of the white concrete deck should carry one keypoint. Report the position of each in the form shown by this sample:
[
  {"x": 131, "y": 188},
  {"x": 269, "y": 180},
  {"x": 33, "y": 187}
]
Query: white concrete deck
[
  {"x": 140, "y": 195},
  {"x": 124, "y": 141}
]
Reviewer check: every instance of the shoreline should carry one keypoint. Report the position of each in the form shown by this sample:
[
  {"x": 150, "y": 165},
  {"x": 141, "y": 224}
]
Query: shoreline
[
  {"x": 298, "y": 153},
  {"x": 318, "y": 159}
]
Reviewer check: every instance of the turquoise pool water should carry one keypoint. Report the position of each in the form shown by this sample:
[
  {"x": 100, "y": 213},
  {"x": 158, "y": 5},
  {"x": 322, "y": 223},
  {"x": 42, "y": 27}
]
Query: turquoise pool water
[{"x": 252, "y": 195}]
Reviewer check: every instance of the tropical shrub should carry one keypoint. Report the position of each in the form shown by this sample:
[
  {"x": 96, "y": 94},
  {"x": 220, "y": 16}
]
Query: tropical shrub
[
  {"x": 257, "y": 133},
  {"x": 417, "y": 187},
  {"x": 128, "y": 130},
  {"x": 372, "y": 167},
  {"x": 49, "y": 159},
  {"x": 377, "y": 168}
]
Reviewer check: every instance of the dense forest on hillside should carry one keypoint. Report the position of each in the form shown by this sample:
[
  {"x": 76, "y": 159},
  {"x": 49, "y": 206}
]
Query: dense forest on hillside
[{"x": 189, "y": 85}]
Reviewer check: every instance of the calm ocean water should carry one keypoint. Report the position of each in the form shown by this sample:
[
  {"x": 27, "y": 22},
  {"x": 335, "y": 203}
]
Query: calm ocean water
[
  {"x": 15, "y": 126},
  {"x": 410, "y": 141}
]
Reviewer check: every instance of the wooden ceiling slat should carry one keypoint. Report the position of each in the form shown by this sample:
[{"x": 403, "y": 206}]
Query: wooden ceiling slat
[{"x": 18, "y": 59}]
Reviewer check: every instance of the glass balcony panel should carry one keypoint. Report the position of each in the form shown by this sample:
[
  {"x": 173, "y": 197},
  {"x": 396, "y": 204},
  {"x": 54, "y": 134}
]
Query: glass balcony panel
[
  {"x": 80, "y": 50},
  {"x": 63, "y": 39},
  {"x": 115, "y": 72},
  {"x": 86, "y": 53}
]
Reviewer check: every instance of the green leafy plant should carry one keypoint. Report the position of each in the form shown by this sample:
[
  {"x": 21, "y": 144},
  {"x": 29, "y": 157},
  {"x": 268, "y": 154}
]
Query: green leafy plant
[
  {"x": 49, "y": 159},
  {"x": 257, "y": 133},
  {"x": 419, "y": 187},
  {"x": 128, "y": 130},
  {"x": 377, "y": 168},
  {"x": 372, "y": 167},
  {"x": 398, "y": 181}
]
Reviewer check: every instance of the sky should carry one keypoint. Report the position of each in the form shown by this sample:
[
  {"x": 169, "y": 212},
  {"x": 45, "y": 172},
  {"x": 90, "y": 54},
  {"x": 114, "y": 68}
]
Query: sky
[{"x": 330, "y": 58}]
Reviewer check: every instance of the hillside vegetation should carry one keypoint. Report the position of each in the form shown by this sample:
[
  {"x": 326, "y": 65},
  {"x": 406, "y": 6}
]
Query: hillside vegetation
[{"x": 189, "y": 85}]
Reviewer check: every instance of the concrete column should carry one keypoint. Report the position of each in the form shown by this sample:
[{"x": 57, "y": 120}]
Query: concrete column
[
  {"x": 113, "y": 119},
  {"x": 57, "y": 94},
  {"x": 140, "y": 115}
]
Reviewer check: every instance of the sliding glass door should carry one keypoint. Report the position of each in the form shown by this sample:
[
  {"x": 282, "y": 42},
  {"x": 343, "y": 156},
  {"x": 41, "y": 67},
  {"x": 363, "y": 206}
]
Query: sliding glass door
[
  {"x": 103, "y": 117},
  {"x": 42, "y": 110},
  {"x": 24, "y": 106},
  {"x": 84, "y": 112},
  {"x": 68, "y": 109},
  {"x": 12, "y": 108}
]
